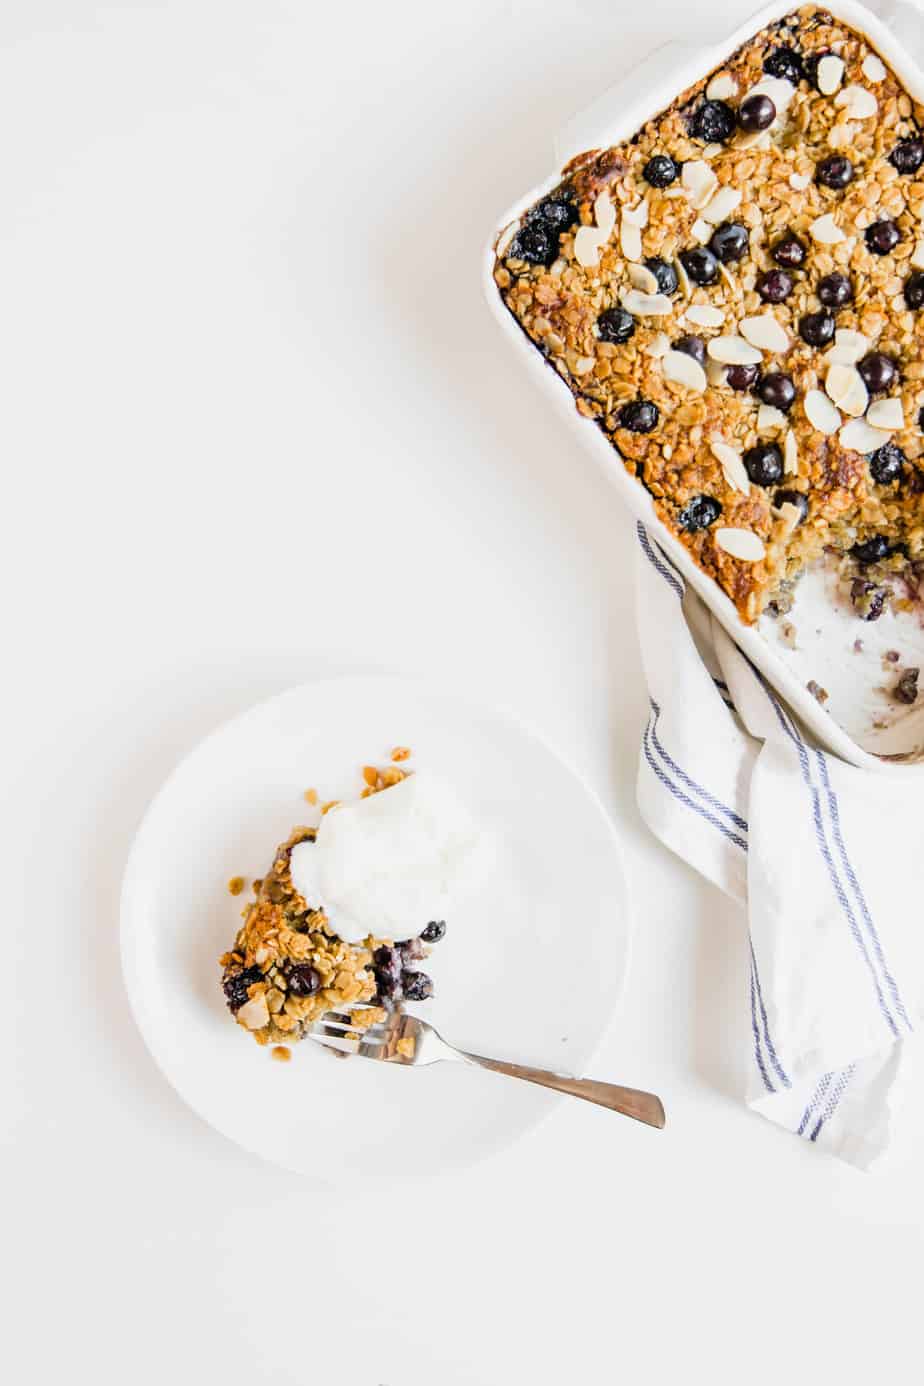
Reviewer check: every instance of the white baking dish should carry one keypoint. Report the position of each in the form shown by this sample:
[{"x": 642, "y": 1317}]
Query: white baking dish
[{"x": 824, "y": 641}]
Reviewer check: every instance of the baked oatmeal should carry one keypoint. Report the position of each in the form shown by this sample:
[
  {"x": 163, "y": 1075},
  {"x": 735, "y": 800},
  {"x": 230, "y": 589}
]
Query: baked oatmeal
[
  {"x": 289, "y": 966},
  {"x": 734, "y": 296}
]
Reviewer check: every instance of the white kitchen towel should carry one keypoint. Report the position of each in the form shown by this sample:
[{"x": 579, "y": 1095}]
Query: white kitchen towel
[{"x": 827, "y": 860}]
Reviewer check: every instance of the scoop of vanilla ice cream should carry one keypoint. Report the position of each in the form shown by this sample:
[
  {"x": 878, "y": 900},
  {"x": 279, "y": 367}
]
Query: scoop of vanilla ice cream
[{"x": 391, "y": 862}]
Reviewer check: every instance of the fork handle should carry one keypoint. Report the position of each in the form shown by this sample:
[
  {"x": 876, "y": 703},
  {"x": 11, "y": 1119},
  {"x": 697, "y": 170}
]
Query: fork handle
[{"x": 642, "y": 1106}]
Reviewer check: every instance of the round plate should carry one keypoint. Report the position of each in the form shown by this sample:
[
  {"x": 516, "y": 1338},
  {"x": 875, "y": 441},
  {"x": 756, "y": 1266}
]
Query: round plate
[{"x": 531, "y": 969}]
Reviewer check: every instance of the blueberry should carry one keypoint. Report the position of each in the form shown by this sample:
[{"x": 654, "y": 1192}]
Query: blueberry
[
  {"x": 417, "y": 986},
  {"x": 878, "y": 371},
  {"x": 387, "y": 965},
  {"x": 764, "y": 464},
  {"x": 775, "y": 286},
  {"x": 434, "y": 931},
  {"x": 789, "y": 251},
  {"x": 699, "y": 513},
  {"x": 785, "y": 63},
  {"x": 906, "y": 690},
  {"x": 872, "y": 550},
  {"x": 615, "y": 325},
  {"x": 692, "y": 346},
  {"x": 640, "y": 416},
  {"x": 882, "y": 236},
  {"x": 756, "y": 113},
  {"x": 700, "y": 264},
  {"x": 835, "y": 290},
  {"x": 536, "y": 242},
  {"x": 729, "y": 242},
  {"x": 908, "y": 155},
  {"x": 886, "y": 463},
  {"x": 665, "y": 274},
  {"x": 303, "y": 980},
  {"x": 558, "y": 213},
  {"x": 777, "y": 390},
  {"x": 914, "y": 289},
  {"x": 921, "y": 417},
  {"x": 817, "y": 328},
  {"x": 834, "y": 172},
  {"x": 868, "y": 599},
  {"x": 741, "y": 377},
  {"x": 411, "y": 950},
  {"x": 713, "y": 122},
  {"x": 660, "y": 171},
  {"x": 796, "y": 498},
  {"x": 235, "y": 984}
]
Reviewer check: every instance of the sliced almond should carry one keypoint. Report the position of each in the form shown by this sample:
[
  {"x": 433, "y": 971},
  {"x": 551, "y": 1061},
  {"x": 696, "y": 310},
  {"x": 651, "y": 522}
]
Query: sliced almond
[
  {"x": 705, "y": 315},
  {"x": 917, "y": 256},
  {"x": 887, "y": 414},
  {"x": 587, "y": 243},
  {"x": 711, "y": 151},
  {"x": 821, "y": 413},
  {"x": 825, "y": 230},
  {"x": 605, "y": 212},
  {"x": 849, "y": 347},
  {"x": 770, "y": 420},
  {"x": 505, "y": 237},
  {"x": 753, "y": 139},
  {"x": 716, "y": 374},
  {"x": 765, "y": 332},
  {"x": 858, "y": 102},
  {"x": 741, "y": 543},
  {"x": 659, "y": 346},
  {"x": 683, "y": 370},
  {"x": 729, "y": 459},
  {"x": 845, "y": 387},
  {"x": 700, "y": 182},
  {"x": 254, "y": 1014},
  {"x": 859, "y": 436},
  {"x": 721, "y": 205},
  {"x": 790, "y": 454},
  {"x": 799, "y": 181},
  {"x": 630, "y": 240},
  {"x": 701, "y": 231},
  {"x": 641, "y": 277},
  {"x": 842, "y": 136},
  {"x": 646, "y": 305},
  {"x": 721, "y": 87},
  {"x": 830, "y": 74},
  {"x": 734, "y": 351},
  {"x": 637, "y": 215},
  {"x": 683, "y": 279},
  {"x": 584, "y": 365},
  {"x": 873, "y": 68}
]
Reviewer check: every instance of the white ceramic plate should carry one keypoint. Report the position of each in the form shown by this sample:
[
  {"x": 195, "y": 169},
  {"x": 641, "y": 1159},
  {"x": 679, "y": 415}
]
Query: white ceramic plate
[{"x": 532, "y": 966}]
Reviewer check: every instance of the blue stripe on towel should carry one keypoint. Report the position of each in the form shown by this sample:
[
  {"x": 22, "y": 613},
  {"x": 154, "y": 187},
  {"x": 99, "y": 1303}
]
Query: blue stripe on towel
[
  {"x": 823, "y": 1085},
  {"x": 685, "y": 798},
  {"x": 655, "y": 561},
  {"x": 755, "y": 983},
  {"x": 754, "y": 1027},
  {"x": 837, "y": 1092},
  {"x": 688, "y": 779}
]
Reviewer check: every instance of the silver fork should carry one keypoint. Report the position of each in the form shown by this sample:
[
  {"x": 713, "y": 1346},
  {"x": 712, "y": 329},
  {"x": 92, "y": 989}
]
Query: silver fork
[{"x": 403, "y": 1039}]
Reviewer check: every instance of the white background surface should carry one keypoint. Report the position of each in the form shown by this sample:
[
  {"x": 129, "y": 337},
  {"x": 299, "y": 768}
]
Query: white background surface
[{"x": 257, "y": 425}]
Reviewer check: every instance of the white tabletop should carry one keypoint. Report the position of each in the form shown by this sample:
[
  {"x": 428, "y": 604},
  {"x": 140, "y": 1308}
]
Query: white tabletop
[{"x": 259, "y": 426}]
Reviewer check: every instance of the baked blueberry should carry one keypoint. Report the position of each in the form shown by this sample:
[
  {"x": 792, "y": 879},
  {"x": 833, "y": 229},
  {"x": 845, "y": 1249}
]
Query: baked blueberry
[
  {"x": 834, "y": 172},
  {"x": 692, "y": 346},
  {"x": 835, "y": 290},
  {"x": 886, "y": 463},
  {"x": 729, "y": 242},
  {"x": 908, "y": 155},
  {"x": 411, "y": 950},
  {"x": 789, "y": 251},
  {"x": 235, "y": 984},
  {"x": 535, "y": 243},
  {"x": 878, "y": 371},
  {"x": 741, "y": 377},
  {"x": 660, "y": 171},
  {"x": 615, "y": 325},
  {"x": 639, "y": 416},
  {"x": 883, "y": 236},
  {"x": 700, "y": 264},
  {"x": 434, "y": 931},
  {"x": 777, "y": 390},
  {"x": 665, "y": 274},
  {"x": 921, "y": 417},
  {"x": 764, "y": 464},
  {"x": 713, "y": 122},
  {"x": 756, "y": 113},
  {"x": 872, "y": 550},
  {"x": 817, "y": 328},
  {"x": 302, "y": 979},
  {"x": 786, "y": 63},
  {"x": 906, "y": 690},
  {"x": 558, "y": 213},
  {"x": 417, "y": 986},
  {"x": 775, "y": 286},
  {"x": 796, "y": 498},
  {"x": 699, "y": 513},
  {"x": 914, "y": 289},
  {"x": 868, "y": 599},
  {"x": 387, "y": 966}
]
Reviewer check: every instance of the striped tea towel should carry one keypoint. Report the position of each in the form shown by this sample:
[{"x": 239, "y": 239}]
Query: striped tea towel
[{"x": 826, "y": 859}]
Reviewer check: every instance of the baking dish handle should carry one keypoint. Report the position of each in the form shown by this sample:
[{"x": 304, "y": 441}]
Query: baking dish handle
[{"x": 906, "y": 21}]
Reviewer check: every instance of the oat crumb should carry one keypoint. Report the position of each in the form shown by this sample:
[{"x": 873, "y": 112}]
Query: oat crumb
[
  {"x": 401, "y": 753},
  {"x": 820, "y": 694},
  {"x": 280, "y": 1053},
  {"x": 236, "y": 885},
  {"x": 312, "y": 796}
]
